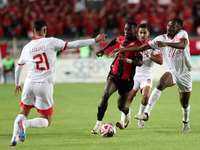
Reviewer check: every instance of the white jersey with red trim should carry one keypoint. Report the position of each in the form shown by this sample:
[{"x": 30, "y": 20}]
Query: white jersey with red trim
[
  {"x": 40, "y": 54},
  {"x": 147, "y": 68},
  {"x": 177, "y": 60}
]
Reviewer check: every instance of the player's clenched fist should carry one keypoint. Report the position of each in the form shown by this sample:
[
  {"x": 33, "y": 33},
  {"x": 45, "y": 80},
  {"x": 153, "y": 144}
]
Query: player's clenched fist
[{"x": 100, "y": 37}]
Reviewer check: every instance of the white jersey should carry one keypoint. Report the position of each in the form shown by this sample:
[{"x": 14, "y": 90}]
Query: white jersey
[
  {"x": 40, "y": 54},
  {"x": 147, "y": 68},
  {"x": 177, "y": 60}
]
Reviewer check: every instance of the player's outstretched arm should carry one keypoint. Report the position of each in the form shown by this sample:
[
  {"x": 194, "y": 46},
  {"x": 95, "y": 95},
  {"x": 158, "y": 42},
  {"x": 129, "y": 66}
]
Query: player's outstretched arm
[
  {"x": 129, "y": 49},
  {"x": 101, "y": 52},
  {"x": 82, "y": 43},
  {"x": 180, "y": 45}
]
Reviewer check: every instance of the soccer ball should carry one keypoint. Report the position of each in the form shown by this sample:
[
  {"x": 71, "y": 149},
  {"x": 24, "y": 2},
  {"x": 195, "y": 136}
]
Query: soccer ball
[{"x": 108, "y": 130}]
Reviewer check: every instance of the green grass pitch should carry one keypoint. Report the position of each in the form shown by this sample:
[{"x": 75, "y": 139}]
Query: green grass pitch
[{"x": 75, "y": 109}]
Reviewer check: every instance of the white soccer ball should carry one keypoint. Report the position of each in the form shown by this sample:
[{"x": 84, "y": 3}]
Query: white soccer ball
[{"x": 108, "y": 130}]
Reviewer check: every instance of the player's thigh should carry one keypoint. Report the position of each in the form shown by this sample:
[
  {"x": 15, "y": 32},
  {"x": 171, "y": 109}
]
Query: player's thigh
[
  {"x": 44, "y": 96},
  {"x": 165, "y": 81},
  {"x": 146, "y": 91}
]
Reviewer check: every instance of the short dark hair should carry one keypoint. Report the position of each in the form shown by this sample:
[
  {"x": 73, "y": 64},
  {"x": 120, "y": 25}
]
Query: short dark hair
[
  {"x": 132, "y": 23},
  {"x": 178, "y": 20},
  {"x": 144, "y": 25},
  {"x": 39, "y": 24}
]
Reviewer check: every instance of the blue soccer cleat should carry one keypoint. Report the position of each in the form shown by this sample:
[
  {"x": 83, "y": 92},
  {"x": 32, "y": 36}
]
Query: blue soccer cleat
[
  {"x": 13, "y": 142},
  {"x": 21, "y": 131}
]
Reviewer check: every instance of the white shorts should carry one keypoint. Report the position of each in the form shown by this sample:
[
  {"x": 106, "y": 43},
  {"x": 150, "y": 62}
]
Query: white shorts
[
  {"x": 184, "y": 82},
  {"x": 39, "y": 95},
  {"x": 141, "y": 82}
]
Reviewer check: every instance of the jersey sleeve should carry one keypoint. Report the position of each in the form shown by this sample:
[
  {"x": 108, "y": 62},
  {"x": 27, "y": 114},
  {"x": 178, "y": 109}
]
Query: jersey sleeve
[
  {"x": 156, "y": 53},
  {"x": 23, "y": 57},
  {"x": 152, "y": 44},
  {"x": 183, "y": 35},
  {"x": 59, "y": 44}
]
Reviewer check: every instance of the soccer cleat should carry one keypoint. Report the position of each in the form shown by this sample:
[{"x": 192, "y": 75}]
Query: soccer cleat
[
  {"x": 21, "y": 131},
  {"x": 127, "y": 120},
  {"x": 120, "y": 125},
  {"x": 141, "y": 124},
  {"x": 13, "y": 142},
  {"x": 143, "y": 116},
  {"x": 96, "y": 129},
  {"x": 186, "y": 127}
]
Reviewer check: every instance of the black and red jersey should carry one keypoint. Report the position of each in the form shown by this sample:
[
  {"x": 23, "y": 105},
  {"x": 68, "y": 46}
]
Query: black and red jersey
[{"x": 122, "y": 69}]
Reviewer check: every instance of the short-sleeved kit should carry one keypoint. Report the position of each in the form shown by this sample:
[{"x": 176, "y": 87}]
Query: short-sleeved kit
[
  {"x": 177, "y": 60},
  {"x": 40, "y": 54}
]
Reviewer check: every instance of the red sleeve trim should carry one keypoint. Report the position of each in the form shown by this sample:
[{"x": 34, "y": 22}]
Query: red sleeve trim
[
  {"x": 21, "y": 64},
  {"x": 65, "y": 46},
  {"x": 158, "y": 55},
  {"x": 25, "y": 106},
  {"x": 184, "y": 39},
  {"x": 150, "y": 46}
]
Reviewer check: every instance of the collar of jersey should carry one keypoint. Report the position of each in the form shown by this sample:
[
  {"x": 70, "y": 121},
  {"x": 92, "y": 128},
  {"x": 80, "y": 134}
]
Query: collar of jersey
[{"x": 39, "y": 37}]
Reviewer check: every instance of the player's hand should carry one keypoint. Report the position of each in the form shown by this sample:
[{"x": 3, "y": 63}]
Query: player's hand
[
  {"x": 100, "y": 37},
  {"x": 18, "y": 89},
  {"x": 100, "y": 53},
  {"x": 146, "y": 53},
  {"x": 161, "y": 44},
  {"x": 114, "y": 52}
]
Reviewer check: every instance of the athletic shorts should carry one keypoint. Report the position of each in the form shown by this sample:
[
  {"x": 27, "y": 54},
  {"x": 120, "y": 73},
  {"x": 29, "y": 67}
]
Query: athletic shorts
[
  {"x": 141, "y": 81},
  {"x": 38, "y": 95},
  {"x": 123, "y": 85},
  {"x": 184, "y": 82}
]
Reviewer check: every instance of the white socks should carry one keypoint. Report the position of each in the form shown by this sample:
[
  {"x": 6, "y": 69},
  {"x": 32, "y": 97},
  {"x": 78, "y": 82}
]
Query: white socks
[
  {"x": 16, "y": 129},
  {"x": 155, "y": 95},
  {"x": 99, "y": 122},
  {"x": 186, "y": 112},
  {"x": 36, "y": 123},
  {"x": 142, "y": 108}
]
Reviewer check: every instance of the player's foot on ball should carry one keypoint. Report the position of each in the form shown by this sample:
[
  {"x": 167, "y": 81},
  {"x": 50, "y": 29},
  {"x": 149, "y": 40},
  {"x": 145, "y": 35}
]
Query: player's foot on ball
[
  {"x": 13, "y": 142},
  {"x": 120, "y": 125},
  {"x": 186, "y": 127},
  {"x": 141, "y": 124},
  {"x": 96, "y": 129},
  {"x": 21, "y": 130},
  {"x": 143, "y": 116}
]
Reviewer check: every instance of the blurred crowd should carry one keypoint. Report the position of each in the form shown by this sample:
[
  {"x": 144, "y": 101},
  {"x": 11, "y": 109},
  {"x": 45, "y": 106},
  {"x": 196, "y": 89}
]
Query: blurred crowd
[{"x": 75, "y": 18}]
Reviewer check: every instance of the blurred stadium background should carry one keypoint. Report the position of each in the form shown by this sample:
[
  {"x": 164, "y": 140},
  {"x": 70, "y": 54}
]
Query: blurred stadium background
[{"x": 78, "y": 19}]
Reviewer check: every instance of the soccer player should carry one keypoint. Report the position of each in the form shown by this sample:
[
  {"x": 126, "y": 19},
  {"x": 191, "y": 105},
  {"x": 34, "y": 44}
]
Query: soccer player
[
  {"x": 144, "y": 74},
  {"x": 40, "y": 53},
  {"x": 175, "y": 51},
  {"x": 121, "y": 75}
]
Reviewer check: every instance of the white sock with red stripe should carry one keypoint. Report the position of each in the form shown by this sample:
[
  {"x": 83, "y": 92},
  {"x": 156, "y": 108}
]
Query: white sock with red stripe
[
  {"x": 186, "y": 112},
  {"x": 16, "y": 128},
  {"x": 155, "y": 95},
  {"x": 36, "y": 123},
  {"x": 142, "y": 108}
]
